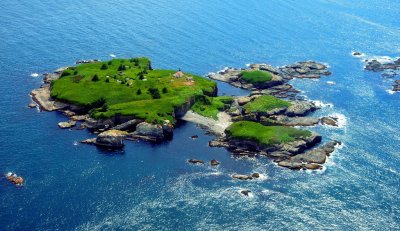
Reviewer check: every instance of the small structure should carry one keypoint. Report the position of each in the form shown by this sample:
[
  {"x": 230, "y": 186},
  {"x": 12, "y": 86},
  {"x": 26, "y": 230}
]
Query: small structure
[
  {"x": 189, "y": 78},
  {"x": 179, "y": 74}
]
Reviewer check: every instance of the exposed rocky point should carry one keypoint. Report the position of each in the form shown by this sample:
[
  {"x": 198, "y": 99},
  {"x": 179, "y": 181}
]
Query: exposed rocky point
[
  {"x": 68, "y": 124},
  {"x": 214, "y": 162},
  {"x": 111, "y": 138}
]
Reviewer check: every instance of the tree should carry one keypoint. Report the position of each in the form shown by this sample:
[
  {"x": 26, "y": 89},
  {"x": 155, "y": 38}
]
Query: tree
[
  {"x": 109, "y": 62},
  {"x": 138, "y": 92},
  {"x": 121, "y": 67},
  {"x": 95, "y": 78},
  {"x": 104, "y": 67},
  {"x": 155, "y": 93},
  {"x": 107, "y": 80},
  {"x": 164, "y": 90}
]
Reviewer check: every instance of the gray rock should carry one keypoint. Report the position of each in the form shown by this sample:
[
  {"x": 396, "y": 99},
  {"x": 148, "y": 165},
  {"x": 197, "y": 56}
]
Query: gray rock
[
  {"x": 127, "y": 126},
  {"x": 150, "y": 130},
  {"x": 68, "y": 124},
  {"x": 317, "y": 156},
  {"x": 300, "y": 108},
  {"x": 111, "y": 138},
  {"x": 32, "y": 105},
  {"x": 94, "y": 125},
  {"x": 331, "y": 121},
  {"x": 296, "y": 121},
  {"x": 242, "y": 177}
]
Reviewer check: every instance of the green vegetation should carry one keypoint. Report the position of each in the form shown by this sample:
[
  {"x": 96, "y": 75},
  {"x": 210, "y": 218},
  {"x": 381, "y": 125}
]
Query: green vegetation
[
  {"x": 265, "y": 135},
  {"x": 210, "y": 106},
  {"x": 128, "y": 87},
  {"x": 265, "y": 103},
  {"x": 256, "y": 77}
]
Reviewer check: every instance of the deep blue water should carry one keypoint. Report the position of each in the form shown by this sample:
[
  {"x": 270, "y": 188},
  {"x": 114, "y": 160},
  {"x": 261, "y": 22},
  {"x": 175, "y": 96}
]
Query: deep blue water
[{"x": 146, "y": 187}]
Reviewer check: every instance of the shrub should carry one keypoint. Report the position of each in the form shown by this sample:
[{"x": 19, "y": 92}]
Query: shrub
[
  {"x": 75, "y": 72},
  {"x": 164, "y": 90},
  {"x": 104, "y": 67},
  {"x": 95, "y": 78},
  {"x": 65, "y": 73},
  {"x": 107, "y": 80},
  {"x": 155, "y": 93},
  {"x": 138, "y": 92},
  {"x": 109, "y": 63},
  {"x": 121, "y": 67}
]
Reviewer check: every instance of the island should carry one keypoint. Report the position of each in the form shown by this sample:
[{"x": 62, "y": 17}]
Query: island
[
  {"x": 389, "y": 67},
  {"x": 126, "y": 99}
]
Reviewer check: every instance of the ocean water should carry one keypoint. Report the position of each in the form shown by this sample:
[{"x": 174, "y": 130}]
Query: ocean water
[{"x": 70, "y": 186}]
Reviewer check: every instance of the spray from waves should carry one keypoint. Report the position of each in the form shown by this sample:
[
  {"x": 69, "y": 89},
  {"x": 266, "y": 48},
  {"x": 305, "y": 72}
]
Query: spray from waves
[
  {"x": 35, "y": 75},
  {"x": 321, "y": 104},
  {"x": 112, "y": 55},
  {"x": 382, "y": 59},
  {"x": 331, "y": 82},
  {"x": 390, "y": 92},
  {"x": 341, "y": 120}
]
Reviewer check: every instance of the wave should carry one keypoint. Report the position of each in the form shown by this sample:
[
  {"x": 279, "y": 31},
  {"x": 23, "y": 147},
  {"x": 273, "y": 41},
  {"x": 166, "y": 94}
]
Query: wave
[
  {"x": 341, "y": 119},
  {"x": 390, "y": 92},
  {"x": 35, "y": 75},
  {"x": 321, "y": 104},
  {"x": 112, "y": 55}
]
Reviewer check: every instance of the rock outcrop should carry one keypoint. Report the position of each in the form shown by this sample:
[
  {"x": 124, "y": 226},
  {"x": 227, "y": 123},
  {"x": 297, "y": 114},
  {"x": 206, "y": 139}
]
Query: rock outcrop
[
  {"x": 68, "y": 124},
  {"x": 42, "y": 97},
  {"x": 375, "y": 65},
  {"x": 111, "y": 138},
  {"x": 147, "y": 131},
  {"x": 396, "y": 85}
]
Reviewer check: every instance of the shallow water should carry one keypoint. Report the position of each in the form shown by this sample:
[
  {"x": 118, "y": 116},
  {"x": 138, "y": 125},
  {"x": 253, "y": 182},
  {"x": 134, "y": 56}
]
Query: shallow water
[{"x": 70, "y": 186}]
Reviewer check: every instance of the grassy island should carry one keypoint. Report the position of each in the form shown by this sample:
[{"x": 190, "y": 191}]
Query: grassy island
[
  {"x": 256, "y": 77},
  {"x": 129, "y": 87},
  {"x": 265, "y": 135},
  {"x": 265, "y": 103}
]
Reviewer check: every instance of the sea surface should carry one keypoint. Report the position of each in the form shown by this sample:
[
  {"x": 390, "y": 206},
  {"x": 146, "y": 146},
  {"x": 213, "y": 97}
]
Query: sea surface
[{"x": 71, "y": 186}]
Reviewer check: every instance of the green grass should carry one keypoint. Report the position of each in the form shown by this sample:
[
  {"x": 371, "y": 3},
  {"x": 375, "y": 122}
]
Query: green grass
[
  {"x": 120, "y": 88},
  {"x": 256, "y": 77},
  {"x": 210, "y": 106},
  {"x": 265, "y": 135},
  {"x": 265, "y": 103}
]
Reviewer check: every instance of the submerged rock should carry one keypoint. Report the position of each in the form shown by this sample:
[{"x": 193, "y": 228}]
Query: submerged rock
[
  {"x": 245, "y": 192},
  {"x": 195, "y": 161},
  {"x": 396, "y": 85},
  {"x": 32, "y": 105},
  {"x": 214, "y": 162},
  {"x": 111, "y": 138}
]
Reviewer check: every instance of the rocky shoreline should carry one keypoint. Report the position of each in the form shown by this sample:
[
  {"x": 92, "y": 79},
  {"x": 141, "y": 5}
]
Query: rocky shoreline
[
  {"x": 300, "y": 154},
  {"x": 390, "y": 68},
  {"x": 112, "y": 132}
]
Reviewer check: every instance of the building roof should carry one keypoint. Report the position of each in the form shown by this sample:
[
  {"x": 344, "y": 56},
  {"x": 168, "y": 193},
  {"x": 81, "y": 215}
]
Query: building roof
[{"x": 179, "y": 74}]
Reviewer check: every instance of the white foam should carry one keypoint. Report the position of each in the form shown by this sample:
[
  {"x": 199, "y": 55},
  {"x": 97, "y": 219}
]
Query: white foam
[
  {"x": 390, "y": 92},
  {"x": 321, "y": 104},
  {"x": 112, "y": 55},
  {"x": 76, "y": 143},
  {"x": 248, "y": 64},
  {"x": 331, "y": 82},
  {"x": 341, "y": 119},
  {"x": 35, "y": 75}
]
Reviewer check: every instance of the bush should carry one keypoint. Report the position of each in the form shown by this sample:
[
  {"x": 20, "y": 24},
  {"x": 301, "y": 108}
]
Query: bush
[
  {"x": 104, "y": 67},
  {"x": 121, "y": 67},
  {"x": 109, "y": 63},
  {"x": 95, "y": 78},
  {"x": 65, "y": 73},
  {"x": 107, "y": 80},
  {"x": 138, "y": 92},
  {"x": 164, "y": 90},
  {"x": 155, "y": 93},
  {"x": 75, "y": 72}
]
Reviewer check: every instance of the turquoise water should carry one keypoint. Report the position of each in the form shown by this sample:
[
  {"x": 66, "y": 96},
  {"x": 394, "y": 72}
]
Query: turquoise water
[{"x": 147, "y": 187}]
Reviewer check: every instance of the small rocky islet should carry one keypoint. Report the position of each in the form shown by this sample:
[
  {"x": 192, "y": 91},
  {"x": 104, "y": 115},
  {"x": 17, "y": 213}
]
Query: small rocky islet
[
  {"x": 126, "y": 99},
  {"x": 389, "y": 68}
]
